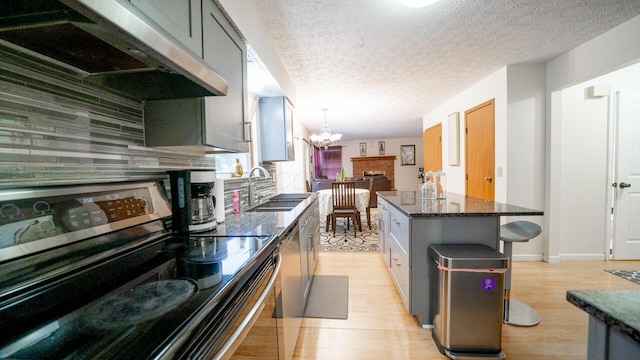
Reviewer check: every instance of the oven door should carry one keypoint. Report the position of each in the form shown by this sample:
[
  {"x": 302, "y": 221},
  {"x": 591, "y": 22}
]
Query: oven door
[{"x": 257, "y": 323}]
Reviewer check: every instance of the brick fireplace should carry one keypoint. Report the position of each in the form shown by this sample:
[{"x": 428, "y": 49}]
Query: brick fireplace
[{"x": 375, "y": 164}]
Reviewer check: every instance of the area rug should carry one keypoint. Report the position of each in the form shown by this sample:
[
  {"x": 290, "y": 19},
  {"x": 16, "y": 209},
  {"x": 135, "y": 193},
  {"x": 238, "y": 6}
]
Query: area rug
[
  {"x": 328, "y": 297},
  {"x": 366, "y": 240},
  {"x": 631, "y": 275}
]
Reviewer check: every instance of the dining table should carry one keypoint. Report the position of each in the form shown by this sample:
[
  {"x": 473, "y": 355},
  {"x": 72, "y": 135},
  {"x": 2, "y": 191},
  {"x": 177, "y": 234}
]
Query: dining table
[{"x": 325, "y": 202}]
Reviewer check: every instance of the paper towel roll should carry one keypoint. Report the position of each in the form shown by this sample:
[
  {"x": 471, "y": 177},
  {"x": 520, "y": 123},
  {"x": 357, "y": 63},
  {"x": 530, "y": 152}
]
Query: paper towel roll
[{"x": 218, "y": 192}]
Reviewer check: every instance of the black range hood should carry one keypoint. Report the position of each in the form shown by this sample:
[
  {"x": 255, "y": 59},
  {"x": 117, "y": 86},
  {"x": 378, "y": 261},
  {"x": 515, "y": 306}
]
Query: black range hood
[{"x": 107, "y": 43}]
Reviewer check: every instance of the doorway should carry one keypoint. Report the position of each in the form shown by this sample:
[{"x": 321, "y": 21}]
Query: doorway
[
  {"x": 432, "y": 148},
  {"x": 626, "y": 188},
  {"x": 480, "y": 151}
]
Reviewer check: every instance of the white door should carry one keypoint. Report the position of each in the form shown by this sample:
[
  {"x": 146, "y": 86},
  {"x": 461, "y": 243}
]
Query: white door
[{"x": 626, "y": 217}]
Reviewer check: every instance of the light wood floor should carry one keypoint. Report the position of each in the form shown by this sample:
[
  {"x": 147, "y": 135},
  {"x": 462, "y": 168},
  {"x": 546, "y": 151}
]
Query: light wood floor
[{"x": 379, "y": 327}]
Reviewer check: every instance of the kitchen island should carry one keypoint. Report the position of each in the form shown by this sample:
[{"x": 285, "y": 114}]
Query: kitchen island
[
  {"x": 411, "y": 225},
  {"x": 614, "y": 322}
]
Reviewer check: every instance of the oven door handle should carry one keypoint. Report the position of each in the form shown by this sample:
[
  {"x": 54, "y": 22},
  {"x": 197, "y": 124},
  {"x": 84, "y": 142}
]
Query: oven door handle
[{"x": 226, "y": 351}]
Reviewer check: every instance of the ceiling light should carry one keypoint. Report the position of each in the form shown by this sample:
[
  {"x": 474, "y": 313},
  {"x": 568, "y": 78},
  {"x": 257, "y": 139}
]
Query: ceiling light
[
  {"x": 418, "y": 3},
  {"x": 325, "y": 138}
]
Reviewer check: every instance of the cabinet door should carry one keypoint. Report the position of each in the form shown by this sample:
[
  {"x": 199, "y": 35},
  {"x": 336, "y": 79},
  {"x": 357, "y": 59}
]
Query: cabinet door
[
  {"x": 180, "y": 18},
  {"x": 383, "y": 226},
  {"x": 292, "y": 306},
  {"x": 276, "y": 129},
  {"x": 225, "y": 51},
  {"x": 399, "y": 269},
  {"x": 399, "y": 228}
]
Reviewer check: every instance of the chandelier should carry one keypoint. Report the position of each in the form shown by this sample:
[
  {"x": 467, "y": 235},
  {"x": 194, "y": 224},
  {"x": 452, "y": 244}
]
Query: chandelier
[{"x": 325, "y": 138}]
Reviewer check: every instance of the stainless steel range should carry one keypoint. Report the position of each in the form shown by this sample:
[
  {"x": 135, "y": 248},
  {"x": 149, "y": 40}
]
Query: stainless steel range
[{"x": 92, "y": 272}]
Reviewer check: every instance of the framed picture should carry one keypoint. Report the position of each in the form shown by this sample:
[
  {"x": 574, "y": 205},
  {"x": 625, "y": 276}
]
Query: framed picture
[
  {"x": 363, "y": 149},
  {"x": 453, "y": 125},
  {"x": 380, "y": 147},
  {"x": 407, "y": 154}
]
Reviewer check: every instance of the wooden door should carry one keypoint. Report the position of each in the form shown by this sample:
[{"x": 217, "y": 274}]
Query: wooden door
[
  {"x": 480, "y": 150},
  {"x": 432, "y": 148}
]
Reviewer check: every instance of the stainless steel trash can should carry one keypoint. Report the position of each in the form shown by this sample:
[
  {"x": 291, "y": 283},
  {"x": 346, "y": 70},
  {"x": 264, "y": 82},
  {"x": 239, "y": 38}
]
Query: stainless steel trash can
[{"x": 467, "y": 300}]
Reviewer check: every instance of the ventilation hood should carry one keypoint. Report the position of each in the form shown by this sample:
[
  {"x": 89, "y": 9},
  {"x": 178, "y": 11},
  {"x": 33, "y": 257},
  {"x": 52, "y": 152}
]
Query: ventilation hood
[{"x": 107, "y": 43}]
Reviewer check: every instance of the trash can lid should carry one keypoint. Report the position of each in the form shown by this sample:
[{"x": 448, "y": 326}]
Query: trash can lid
[{"x": 468, "y": 256}]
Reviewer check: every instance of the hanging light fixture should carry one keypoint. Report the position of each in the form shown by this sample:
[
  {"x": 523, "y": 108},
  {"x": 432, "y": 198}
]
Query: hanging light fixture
[{"x": 325, "y": 138}]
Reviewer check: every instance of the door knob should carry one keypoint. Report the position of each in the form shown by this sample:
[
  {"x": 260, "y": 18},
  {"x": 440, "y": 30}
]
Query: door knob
[
  {"x": 624, "y": 185},
  {"x": 487, "y": 178}
]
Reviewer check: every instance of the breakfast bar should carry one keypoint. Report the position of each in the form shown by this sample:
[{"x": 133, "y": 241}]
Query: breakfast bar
[{"x": 409, "y": 225}]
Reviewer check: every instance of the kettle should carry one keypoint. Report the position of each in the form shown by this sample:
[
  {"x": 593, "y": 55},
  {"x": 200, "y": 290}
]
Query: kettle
[{"x": 192, "y": 201}]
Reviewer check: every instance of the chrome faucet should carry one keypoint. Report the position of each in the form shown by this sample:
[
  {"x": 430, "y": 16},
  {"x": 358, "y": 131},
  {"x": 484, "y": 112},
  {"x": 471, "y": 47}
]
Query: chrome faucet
[{"x": 251, "y": 189}]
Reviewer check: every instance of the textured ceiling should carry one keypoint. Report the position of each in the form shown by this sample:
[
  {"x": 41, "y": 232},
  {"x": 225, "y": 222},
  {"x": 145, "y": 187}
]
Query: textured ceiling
[{"x": 379, "y": 66}]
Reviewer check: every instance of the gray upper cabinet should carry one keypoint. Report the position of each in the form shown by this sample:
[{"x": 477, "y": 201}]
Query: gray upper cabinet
[
  {"x": 276, "y": 129},
  {"x": 209, "y": 124},
  {"x": 180, "y": 18},
  {"x": 226, "y": 52}
]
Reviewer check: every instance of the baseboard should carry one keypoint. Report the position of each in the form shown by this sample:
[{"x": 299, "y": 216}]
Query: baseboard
[
  {"x": 582, "y": 257},
  {"x": 528, "y": 257},
  {"x": 557, "y": 259}
]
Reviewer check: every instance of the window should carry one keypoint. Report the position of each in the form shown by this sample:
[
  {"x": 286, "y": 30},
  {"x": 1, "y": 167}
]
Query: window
[
  {"x": 327, "y": 162},
  {"x": 226, "y": 162}
]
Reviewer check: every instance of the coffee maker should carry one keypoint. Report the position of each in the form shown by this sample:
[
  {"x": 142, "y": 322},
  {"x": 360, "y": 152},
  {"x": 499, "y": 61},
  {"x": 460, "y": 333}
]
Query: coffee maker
[{"x": 192, "y": 201}]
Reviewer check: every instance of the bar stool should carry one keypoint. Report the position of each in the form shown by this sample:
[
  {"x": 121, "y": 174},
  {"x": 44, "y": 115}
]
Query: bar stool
[{"x": 516, "y": 312}]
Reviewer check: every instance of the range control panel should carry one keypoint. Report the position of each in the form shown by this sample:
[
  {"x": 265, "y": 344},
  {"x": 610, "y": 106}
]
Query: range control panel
[{"x": 31, "y": 219}]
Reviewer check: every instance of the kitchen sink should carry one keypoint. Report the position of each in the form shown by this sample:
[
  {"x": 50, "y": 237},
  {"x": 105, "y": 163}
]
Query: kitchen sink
[
  {"x": 290, "y": 197},
  {"x": 264, "y": 209},
  {"x": 276, "y": 206},
  {"x": 281, "y": 202}
]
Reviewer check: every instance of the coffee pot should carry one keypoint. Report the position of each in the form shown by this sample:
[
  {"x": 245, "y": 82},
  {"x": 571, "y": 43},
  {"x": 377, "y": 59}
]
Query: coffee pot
[{"x": 192, "y": 201}]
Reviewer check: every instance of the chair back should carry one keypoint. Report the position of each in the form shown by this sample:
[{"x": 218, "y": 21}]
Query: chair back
[{"x": 343, "y": 194}]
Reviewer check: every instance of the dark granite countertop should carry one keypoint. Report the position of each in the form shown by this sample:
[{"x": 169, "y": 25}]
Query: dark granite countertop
[
  {"x": 619, "y": 309},
  {"x": 411, "y": 203},
  {"x": 248, "y": 223}
]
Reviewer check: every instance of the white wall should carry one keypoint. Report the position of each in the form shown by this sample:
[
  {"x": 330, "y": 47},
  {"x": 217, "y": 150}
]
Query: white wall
[
  {"x": 585, "y": 165},
  {"x": 519, "y": 93},
  {"x": 246, "y": 18},
  {"x": 524, "y": 172},
  {"x": 576, "y": 129},
  {"x": 405, "y": 176},
  {"x": 492, "y": 87}
]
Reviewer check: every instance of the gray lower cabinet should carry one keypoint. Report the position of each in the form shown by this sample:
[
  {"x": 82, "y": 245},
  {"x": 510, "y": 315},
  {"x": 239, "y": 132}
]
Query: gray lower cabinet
[
  {"x": 309, "y": 243},
  {"x": 383, "y": 224},
  {"x": 299, "y": 249},
  {"x": 607, "y": 342},
  {"x": 180, "y": 18},
  {"x": 291, "y": 295},
  {"x": 398, "y": 253},
  {"x": 207, "y": 124},
  {"x": 407, "y": 245}
]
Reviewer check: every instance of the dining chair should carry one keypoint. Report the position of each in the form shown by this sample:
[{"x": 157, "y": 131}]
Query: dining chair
[
  {"x": 343, "y": 195},
  {"x": 367, "y": 184}
]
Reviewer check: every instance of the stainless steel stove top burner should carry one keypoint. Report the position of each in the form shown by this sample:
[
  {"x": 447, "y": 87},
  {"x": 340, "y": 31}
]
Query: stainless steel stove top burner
[{"x": 141, "y": 303}]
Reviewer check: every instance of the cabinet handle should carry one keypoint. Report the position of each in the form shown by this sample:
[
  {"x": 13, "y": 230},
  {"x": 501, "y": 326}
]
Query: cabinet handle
[
  {"x": 397, "y": 263},
  {"x": 247, "y": 131},
  {"x": 395, "y": 221}
]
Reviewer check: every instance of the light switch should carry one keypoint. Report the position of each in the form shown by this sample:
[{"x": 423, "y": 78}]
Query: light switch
[{"x": 499, "y": 171}]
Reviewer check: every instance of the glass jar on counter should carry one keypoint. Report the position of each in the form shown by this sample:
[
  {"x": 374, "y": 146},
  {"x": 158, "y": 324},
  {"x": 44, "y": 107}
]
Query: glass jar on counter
[
  {"x": 440, "y": 182},
  {"x": 428, "y": 187}
]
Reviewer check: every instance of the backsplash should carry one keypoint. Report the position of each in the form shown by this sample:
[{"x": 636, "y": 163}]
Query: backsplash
[{"x": 55, "y": 129}]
